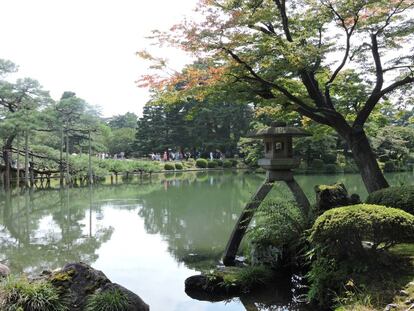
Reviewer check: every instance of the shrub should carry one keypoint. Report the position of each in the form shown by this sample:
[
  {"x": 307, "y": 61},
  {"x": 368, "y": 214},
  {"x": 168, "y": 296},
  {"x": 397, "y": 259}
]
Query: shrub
[
  {"x": 111, "y": 300},
  {"x": 219, "y": 162},
  {"x": 389, "y": 166},
  {"x": 343, "y": 229},
  {"x": 227, "y": 164},
  {"x": 317, "y": 164},
  {"x": 329, "y": 158},
  {"x": 330, "y": 168},
  {"x": 211, "y": 164},
  {"x": 397, "y": 197},
  {"x": 169, "y": 167},
  {"x": 234, "y": 162},
  {"x": 178, "y": 166},
  {"x": 20, "y": 294},
  {"x": 201, "y": 163},
  {"x": 279, "y": 226}
]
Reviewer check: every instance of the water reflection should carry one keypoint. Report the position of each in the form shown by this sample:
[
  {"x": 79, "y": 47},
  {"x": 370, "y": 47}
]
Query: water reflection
[
  {"x": 46, "y": 229},
  {"x": 175, "y": 225}
]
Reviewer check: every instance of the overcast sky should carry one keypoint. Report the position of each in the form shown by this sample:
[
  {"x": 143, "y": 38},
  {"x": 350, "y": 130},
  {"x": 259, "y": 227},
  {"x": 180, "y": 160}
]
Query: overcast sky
[{"x": 87, "y": 46}]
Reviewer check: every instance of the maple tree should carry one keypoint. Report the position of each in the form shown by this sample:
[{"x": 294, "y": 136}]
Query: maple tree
[{"x": 332, "y": 61}]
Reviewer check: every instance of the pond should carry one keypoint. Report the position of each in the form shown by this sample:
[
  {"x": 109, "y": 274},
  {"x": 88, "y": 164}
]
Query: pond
[{"x": 147, "y": 235}]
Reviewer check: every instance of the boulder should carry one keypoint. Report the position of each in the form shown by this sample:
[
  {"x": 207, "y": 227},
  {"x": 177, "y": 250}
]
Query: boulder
[
  {"x": 330, "y": 196},
  {"x": 78, "y": 281},
  {"x": 4, "y": 271}
]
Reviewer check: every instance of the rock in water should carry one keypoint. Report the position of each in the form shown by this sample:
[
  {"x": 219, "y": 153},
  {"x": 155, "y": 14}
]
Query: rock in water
[{"x": 79, "y": 281}]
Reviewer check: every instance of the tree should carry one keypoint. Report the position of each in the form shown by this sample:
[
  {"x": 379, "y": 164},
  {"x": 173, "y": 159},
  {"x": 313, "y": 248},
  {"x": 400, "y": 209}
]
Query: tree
[
  {"x": 127, "y": 120},
  {"x": 332, "y": 61},
  {"x": 20, "y": 102}
]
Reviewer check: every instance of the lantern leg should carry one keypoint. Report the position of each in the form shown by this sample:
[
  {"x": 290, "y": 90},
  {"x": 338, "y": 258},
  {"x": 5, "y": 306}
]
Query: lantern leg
[
  {"x": 299, "y": 195},
  {"x": 243, "y": 222}
]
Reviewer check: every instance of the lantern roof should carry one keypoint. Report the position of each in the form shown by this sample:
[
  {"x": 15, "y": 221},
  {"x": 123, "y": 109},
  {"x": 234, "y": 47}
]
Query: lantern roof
[{"x": 279, "y": 129}]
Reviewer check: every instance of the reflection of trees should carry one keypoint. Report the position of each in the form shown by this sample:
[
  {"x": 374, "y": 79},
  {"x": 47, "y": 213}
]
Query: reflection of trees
[
  {"x": 196, "y": 216},
  {"x": 45, "y": 229}
]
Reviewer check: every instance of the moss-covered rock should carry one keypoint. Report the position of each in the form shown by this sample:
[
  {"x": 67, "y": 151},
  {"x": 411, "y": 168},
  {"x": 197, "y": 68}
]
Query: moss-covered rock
[{"x": 330, "y": 196}]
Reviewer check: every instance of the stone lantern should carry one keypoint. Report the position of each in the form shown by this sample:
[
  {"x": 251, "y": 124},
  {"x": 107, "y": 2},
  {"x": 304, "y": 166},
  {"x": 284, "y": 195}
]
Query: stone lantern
[{"x": 278, "y": 163}]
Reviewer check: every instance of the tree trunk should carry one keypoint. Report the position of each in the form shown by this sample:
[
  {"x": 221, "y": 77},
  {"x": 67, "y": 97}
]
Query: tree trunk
[
  {"x": 6, "y": 157},
  {"x": 366, "y": 161}
]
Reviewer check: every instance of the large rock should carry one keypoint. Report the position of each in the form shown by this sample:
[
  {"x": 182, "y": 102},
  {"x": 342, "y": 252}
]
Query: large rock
[
  {"x": 79, "y": 280},
  {"x": 330, "y": 196},
  {"x": 4, "y": 271}
]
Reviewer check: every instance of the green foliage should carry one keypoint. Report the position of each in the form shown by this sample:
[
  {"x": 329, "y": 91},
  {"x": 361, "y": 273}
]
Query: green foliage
[
  {"x": 343, "y": 229},
  {"x": 227, "y": 164},
  {"x": 219, "y": 162},
  {"x": 122, "y": 140},
  {"x": 178, "y": 166},
  {"x": 234, "y": 162},
  {"x": 111, "y": 300},
  {"x": 317, "y": 165},
  {"x": 330, "y": 168},
  {"x": 169, "y": 166},
  {"x": 398, "y": 197},
  {"x": 211, "y": 164},
  {"x": 279, "y": 223},
  {"x": 18, "y": 294},
  {"x": 201, "y": 163},
  {"x": 389, "y": 166},
  {"x": 329, "y": 158}
]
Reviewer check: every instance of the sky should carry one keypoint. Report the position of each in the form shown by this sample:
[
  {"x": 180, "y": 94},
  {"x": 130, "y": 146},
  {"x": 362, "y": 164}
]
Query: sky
[{"x": 88, "y": 46}]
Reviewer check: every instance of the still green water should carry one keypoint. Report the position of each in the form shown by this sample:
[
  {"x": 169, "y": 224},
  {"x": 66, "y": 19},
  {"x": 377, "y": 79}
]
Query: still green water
[{"x": 148, "y": 236}]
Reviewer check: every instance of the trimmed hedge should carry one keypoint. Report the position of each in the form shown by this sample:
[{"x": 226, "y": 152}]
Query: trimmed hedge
[
  {"x": 201, "y": 163},
  {"x": 227, "y": 164},
  {"x": 178, "y": 166},
  {"x": 211, "y": 164},
  {"x": 169, "y": 167},
  {"x": 329, "y": 158},
  {"x": 219, "y": 162},
  {"x": 397, "y": 197},
  {"x": 346, "y": 227}
]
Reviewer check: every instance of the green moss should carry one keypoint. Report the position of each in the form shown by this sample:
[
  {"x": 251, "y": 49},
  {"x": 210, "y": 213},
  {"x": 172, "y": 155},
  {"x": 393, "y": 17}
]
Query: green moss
[{"x": 63, "y": 276}]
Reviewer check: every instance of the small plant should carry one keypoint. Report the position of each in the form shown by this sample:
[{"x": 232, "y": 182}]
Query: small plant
[
  {"x": 110, "y": 300},
  {"x": 20, "y": 294},
  {"x": 219, "y": 162},
  {"x": 169, "y": 167},
  {"x": 201, "y": 163},
  {"x": 178, "y": 166},
  {"x": 211, "y": 164}
]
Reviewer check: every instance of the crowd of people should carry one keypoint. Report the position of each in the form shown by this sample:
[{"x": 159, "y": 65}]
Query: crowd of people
[{"x": 179, "y": 155}]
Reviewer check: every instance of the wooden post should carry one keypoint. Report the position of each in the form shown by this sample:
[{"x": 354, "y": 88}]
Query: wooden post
[
  {"x": 243, "y": 222},
  {"x": 18, "y": 163},
  {"x": 67, "y": 159},
  {"x": 90, "y": 159},
  {"x": 61, "y": 157},
  {"x": 26, "y": 159}
]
